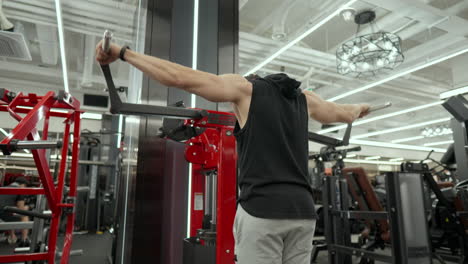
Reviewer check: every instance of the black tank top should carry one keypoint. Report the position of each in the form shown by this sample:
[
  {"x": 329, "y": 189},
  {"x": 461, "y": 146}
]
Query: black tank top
[{"x": 273, "y": 152}]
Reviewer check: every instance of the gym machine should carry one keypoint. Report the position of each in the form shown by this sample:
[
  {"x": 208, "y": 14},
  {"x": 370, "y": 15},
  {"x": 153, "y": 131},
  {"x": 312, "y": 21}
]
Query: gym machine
[
  {"x": 211, "y": 148},
  {"x": 25, "y": 136},
  {"x": 377, "y": 232},
  {"x": 457, "y": 106},
  {"x": 408, "y": 232},
  {"x": 98, "y": 171},
  {"x": 328, "y": 153},
  {"x": 450, "y": 211},
  {"x": 448, "y": 233}
]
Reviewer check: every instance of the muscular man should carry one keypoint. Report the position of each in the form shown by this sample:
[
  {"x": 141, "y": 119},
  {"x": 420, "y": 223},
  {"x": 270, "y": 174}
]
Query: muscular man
[{"x": 275, "y": 219}]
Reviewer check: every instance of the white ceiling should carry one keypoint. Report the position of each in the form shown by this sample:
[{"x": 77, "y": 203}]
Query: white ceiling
[
  {"x": 84, "y": 23},
  {"x": 429, "y": 30}
]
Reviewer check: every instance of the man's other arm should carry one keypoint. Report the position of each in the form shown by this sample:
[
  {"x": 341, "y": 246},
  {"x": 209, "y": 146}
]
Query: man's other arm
[{"x": 328, "y": 112}]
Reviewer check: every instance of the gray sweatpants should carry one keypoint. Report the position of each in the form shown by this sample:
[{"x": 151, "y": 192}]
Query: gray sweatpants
[{"x": 272, "y": 241}]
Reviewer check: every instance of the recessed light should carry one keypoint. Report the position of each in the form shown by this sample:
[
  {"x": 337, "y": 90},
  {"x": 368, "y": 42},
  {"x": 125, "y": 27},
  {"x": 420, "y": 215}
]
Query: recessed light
[{"x": 348, "y": 14}]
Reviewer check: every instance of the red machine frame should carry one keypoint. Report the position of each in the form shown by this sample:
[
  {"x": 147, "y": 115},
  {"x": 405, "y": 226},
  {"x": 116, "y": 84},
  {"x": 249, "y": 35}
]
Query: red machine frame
[
  {"x": 215, "y": 149},
  {"x": 212, "y": 150},
  {"x": 38, "y": 108}
]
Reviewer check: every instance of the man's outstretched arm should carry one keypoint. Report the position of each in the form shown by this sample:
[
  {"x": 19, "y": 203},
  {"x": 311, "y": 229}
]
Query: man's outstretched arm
[
  {"x": 216, "y": 88},
  {"x": 328, "y": 112}
]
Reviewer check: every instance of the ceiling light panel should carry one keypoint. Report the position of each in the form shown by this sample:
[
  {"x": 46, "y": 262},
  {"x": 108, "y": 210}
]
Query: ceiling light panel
[
  {"x": 376, "y": 162},
  {"x": 462, "y": 90},
  {"x": 382, "y": 117},
  {"x": 402, "y": 140},
  {"x": 3, "y": 131},
  {"x": 395, "y": 146},
  {"x": 438, "y": 143},
  {"x": 88, "y": 115},
  {"x": 373, "y": 158},
  {"x": 392, "y": 130}
]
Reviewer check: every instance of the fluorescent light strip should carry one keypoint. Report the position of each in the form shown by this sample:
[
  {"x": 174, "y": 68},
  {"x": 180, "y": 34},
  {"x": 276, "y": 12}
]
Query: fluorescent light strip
[
  {"x": 23, "y": 155},
  {"x": 193, "y": 104},
  {"x": 401, "y": 140},
  {"x": 196, "y": 3},
  {"x": 373, "y": 158},
  {"x": 385, "y": 116},
  {"x": 127, "y": 182},
  {"x": 195, "y": 35},
  {"x": 462, "y": 90},
  {"x": 62, "y": 44},
  {"x": 94, "y": 116},
  {"x": 85, "y": 115},
  {"x": 301, "y": 37},
  {"x": 376, "y": 162},
  {"x": 392, "y": 145},
  {"x": 398, "y": 75},
  {"x": 119, "y": 130},
  {"x": 396, "y": 159},
  {"x": 386, "y": 131},
  {"x": 438, "y": 143},
  {"x": 4, "y": 132}
]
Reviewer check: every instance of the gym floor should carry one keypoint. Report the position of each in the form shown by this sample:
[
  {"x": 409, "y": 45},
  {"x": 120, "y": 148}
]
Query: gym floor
[
  {"x": 323, "y": 259},
  {"x": 96, "y": 248}
]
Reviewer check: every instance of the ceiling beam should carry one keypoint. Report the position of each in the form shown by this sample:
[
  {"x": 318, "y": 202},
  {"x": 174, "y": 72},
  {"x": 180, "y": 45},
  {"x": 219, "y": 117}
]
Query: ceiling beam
[{"x": 267, "y": 22}]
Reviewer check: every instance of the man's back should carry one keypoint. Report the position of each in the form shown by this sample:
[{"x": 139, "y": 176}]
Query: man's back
[{"x": 273, "y": 152}]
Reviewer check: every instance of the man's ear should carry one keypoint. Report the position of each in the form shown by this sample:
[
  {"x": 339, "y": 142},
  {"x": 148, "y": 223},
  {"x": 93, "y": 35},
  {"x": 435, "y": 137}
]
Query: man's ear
[{"x": 252, "y": 77}]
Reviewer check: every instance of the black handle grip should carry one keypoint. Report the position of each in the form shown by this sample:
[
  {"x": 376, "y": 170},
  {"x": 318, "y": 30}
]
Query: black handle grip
[
  {"x": 358, "y": 148},
  {"x": 11, "y": 209}
]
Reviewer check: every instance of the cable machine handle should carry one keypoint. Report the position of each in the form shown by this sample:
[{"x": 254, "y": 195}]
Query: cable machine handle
[{"x": 106, "y": 41}]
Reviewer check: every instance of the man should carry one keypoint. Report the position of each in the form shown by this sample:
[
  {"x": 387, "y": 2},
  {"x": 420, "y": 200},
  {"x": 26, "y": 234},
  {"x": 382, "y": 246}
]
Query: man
[
  {"x": 275, "y": 218},
  {"x": 20, "y": 202}
]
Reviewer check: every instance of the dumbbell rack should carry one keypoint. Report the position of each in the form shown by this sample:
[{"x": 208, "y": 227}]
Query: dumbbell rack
[{"x": 25, "y": 136}]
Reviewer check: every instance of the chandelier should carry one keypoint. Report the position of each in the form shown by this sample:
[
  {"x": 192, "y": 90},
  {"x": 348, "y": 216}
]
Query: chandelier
[
  {"x": 371, "y": 54},
  {"x": 436, "y": 131}
]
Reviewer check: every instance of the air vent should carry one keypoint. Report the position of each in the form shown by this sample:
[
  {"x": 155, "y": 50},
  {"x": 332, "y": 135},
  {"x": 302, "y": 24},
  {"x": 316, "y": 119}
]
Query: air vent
[{"x": 13, "y": 46}]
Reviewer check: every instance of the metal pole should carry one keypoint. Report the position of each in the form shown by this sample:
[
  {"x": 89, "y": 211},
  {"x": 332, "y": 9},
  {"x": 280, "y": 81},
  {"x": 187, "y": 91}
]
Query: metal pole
[
  {"x": 396, "y": 222},
  {"x": 460, "y": 137},
  {"x": 38, "y": 226},
  {"x": 214, "y": 188},
  {"x": 328, "y": 225},
  {"x": 209, "y": 194},
  {"x": 335, "y": 200},
  {"x": 38, "y": 144},
  {"x": 345, "y": 227}
]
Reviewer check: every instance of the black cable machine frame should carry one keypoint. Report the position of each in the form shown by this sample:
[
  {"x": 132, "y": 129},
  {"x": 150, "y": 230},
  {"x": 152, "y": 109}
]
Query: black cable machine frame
[{"x": 407, "y": 247}]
